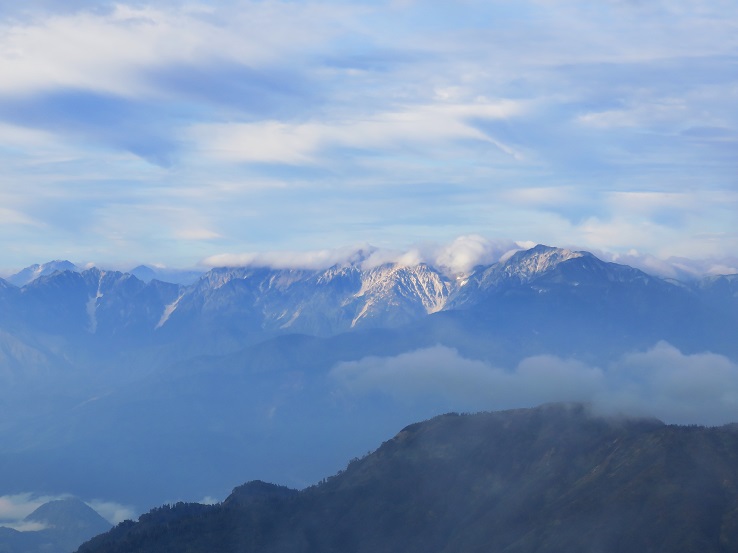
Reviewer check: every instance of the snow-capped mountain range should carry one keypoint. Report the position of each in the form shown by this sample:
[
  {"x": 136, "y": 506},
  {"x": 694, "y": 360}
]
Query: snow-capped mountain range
[
  {"x": 232, "y": 307},
  {"x": 320, "y": 302}
]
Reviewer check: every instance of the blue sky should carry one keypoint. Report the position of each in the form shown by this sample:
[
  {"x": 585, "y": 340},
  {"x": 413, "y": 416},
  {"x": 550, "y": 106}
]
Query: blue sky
[{"x": 170, "y": 132}]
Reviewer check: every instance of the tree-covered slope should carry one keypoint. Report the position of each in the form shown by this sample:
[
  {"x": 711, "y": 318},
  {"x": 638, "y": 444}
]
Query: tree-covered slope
[{"x": 550, "y": 479}]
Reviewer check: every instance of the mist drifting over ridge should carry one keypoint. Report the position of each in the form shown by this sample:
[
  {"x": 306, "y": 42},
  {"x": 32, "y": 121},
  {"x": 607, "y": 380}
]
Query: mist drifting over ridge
[
  {"x": 462, "y": 254},
  {"x": 458, "y": 256}
]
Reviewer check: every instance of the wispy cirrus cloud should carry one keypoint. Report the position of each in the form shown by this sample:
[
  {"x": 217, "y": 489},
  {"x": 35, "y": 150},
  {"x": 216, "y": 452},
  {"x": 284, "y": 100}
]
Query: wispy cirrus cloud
[
  {"x": 395, "y": 121},
  {"x": 112, "y": 50},
  {"x": 415, "y": 127}
]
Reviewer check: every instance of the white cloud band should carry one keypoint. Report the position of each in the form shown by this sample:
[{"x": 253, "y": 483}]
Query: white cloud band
[{"x": 661, "y": 382}]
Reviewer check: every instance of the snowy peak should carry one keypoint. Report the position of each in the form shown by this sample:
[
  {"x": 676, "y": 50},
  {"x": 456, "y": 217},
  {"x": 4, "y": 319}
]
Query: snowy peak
[
  {"x": 31, "y": 273},
  {"x": 542, "y": 268},
  {"x": 395, "y": 293},
  {"x": 260, "y": 278},
  {"x": 229, "y": 306},
  {"x": 345, "y": 296},
  {"x": 520, "y": 268},
  {"x": 233, "y": 307},
  {"x": 526, "y": 265},
  {"x": 394, "y": 282},
  {"x": 94, "y": 303},
  {"x": 320, "y": 302},
  {"x": 338, "y": 273}
]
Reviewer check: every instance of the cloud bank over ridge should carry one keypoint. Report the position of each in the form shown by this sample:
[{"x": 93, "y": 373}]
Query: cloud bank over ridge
[
  {"x": 459, "y": 256},
  {"x": 661, "y": 382}
]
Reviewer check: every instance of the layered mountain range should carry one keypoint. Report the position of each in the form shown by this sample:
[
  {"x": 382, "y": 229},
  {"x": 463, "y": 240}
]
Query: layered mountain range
[
  {"x": 142, "y": 391},
  {"x": 67, "y": 316}
]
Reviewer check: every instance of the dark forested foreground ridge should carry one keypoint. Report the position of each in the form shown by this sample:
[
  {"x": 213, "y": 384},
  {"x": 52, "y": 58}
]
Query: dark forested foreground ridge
[{"x": 550, "y": 479}]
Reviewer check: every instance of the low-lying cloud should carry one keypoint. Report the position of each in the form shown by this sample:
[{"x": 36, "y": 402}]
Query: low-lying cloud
[
  {"x": 679, "y": 268},
  {"x": 313, "y": 260},
  {"x": 661, "y": 382},
  {"x": 111, "y": 511},
  {"x": 18, "y": 506},
  {"x": 459, "y": 256},
  {"x": 14, "y": 508}
]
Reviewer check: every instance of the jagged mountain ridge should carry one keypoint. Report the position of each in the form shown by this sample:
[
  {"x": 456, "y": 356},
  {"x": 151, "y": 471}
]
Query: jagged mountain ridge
[
  {"x": 232, "y": 307},
  {"x": 91, "y": 302},
  {"x": 315, "y": 302},
  {"x": 349, "y": 296},
  {"x": 550, "y": 479},
  {"x": 539, "y": 268}
]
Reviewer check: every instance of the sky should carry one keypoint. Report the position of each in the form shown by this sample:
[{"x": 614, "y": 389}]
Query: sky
[{"x": 173, "y": 132}]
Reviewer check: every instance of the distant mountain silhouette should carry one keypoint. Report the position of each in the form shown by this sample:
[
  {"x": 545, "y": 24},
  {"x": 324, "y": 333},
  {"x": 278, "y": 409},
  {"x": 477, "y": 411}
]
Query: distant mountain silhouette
[
  {"x": 31, "y": 273},
  {"x": 64, "y": 524},
  {"x": 551, "y": 479}
]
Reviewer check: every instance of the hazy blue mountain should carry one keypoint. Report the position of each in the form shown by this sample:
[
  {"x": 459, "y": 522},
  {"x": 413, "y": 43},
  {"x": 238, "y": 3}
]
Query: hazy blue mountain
[
  {"x": 86, "y": 317},
  {"x": 29, "y": 274},
  {"x": 176, "y": 276},
  {"x": 542, "y": 268},
  {"x": 550, "y": 479},
  {"x": 143, "y": 273},
  {"x": 95, "y": 302},
  {"x": 69, "y": 514},
  {"x": 539, "y": 292},
  {"x": 720, "y": 292},
  {"x": 64, "y": 525}
]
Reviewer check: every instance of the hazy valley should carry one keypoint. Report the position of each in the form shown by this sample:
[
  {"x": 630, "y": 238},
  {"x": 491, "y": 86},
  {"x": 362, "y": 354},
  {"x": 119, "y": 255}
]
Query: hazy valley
[{"x": 145, "y": 392}]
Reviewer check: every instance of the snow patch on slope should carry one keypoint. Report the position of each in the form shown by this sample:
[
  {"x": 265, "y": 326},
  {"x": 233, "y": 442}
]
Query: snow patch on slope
[
  {"x": 168, "y": 310},
  {"x": 91, "y": 305},
  {"x": 535, "y": 261},
  {"x": 393, "y": 284}
]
